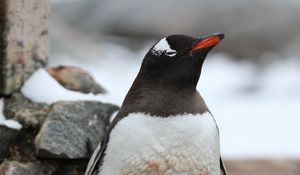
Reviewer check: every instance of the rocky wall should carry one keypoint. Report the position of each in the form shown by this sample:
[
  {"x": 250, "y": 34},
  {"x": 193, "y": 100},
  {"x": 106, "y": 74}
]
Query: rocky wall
[{"x": 24, "y": 41}]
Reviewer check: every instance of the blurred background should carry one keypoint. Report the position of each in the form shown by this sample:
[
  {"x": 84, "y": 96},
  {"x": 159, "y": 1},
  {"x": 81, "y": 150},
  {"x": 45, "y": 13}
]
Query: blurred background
[{"x": 251, "y": 81}]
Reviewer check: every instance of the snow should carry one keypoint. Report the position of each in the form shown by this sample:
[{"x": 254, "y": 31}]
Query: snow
[
  {"x": 42, "y": 87},
  {"x": 113, "y": 116},
  {"x": 8, "y": 123},
  {"x": 256, "y": 108},
  {"x": 163, "y": 47},
  {"x": 262, "y": 122}
]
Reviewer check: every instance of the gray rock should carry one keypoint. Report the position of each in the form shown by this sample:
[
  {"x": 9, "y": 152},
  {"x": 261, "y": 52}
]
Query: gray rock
[
  {"x": 31, "y": 168},
  {"x": 73, "y": 129},
  {"x": 75, "y": 78},
  {"x": 7, "y": 136},
  {"x": 29, "y": 114},
  {"x": 19, "y": 145}
]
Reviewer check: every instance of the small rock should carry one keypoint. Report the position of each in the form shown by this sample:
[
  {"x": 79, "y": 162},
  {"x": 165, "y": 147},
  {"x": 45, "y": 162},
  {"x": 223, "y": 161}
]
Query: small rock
[
  {"x": 75, "y": 78},
  {"x": 31, "y": 168},
  {"x": 7, "y": 136},
  {"x": 28, "y": 113},
  {"x": 263, "y": 167},
  {"x": 73, "y": 129}
]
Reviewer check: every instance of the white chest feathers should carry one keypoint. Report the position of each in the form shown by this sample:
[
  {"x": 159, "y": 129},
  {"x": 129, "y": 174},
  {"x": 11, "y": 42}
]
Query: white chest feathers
[{"x": 179, "y": 145}]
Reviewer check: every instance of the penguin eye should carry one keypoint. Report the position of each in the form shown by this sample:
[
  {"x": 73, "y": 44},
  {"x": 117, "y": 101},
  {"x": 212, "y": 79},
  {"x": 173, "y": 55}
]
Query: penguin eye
[{"x": 171, "y": 54}]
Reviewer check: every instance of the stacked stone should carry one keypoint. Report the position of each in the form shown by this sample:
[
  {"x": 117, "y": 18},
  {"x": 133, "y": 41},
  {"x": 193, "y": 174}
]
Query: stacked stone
[
  {"x": 24, "y": 41},
  {"x": 55, "y": 138}
]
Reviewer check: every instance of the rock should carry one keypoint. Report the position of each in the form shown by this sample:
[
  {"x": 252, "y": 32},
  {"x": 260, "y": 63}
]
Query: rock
[
  {"x": 75, "y": 78},
  {"x": 31, "y": 116},
  {"x": 73, "y": 129},
  {"x": 263, "y": 167},
  {"x": 7, "y": 137},
  {"x": 31, "y": 168},
  {"x": 28, "y": 113},
  {"x": 24, "y": 41}
]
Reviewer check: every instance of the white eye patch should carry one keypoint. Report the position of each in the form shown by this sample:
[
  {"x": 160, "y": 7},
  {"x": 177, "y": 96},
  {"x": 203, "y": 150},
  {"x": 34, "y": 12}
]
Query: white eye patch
[{"x": 163, "y": 47}]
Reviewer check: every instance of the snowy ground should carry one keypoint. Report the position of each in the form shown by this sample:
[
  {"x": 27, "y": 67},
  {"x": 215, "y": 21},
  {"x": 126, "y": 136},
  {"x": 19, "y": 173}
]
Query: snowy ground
[{"x": 257, "y": 109}]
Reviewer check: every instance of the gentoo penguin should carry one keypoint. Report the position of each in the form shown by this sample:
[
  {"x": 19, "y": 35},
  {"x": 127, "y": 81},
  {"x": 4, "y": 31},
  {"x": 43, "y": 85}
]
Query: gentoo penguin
[{"x": 164, "y": 126}]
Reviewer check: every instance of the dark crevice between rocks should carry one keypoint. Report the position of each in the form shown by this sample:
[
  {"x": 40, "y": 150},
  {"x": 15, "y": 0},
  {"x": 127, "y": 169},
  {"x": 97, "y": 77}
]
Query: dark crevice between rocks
[
  {"x": 23, "y": 149},
  {"x": 71, "y": 167},
  {"x": 7, "y": 137},
  {"x": 3, "y": 44}
]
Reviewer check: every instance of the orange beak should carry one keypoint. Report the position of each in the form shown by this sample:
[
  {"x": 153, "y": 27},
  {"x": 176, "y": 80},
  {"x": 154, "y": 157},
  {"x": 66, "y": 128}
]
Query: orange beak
[{"x": 209, "y": 41}]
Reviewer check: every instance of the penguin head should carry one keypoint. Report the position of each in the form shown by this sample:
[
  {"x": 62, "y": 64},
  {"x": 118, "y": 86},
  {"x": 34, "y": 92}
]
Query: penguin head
[{"x": 178, "y": 58}]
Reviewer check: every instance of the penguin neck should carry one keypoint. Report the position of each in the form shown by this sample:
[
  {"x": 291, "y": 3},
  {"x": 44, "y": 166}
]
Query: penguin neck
[{"x": 162, "y": 98}]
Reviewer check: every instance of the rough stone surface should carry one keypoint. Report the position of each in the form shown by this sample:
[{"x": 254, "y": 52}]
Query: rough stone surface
[
  {"x": 31, "y": 168},
  {"x": 71, "y": 167},
  {"x": 24, "y": 41},
  {"x": 75, "y": 78},
  {"x": 263, "y": 167},
  {"x": 29, "y": 114},
  {"x": 73, "y": 129},
  {"x": 7, "y": 137}
]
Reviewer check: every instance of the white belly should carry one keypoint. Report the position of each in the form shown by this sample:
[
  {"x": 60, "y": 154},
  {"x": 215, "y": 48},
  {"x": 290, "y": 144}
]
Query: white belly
[{"x": 144, "y": 145}]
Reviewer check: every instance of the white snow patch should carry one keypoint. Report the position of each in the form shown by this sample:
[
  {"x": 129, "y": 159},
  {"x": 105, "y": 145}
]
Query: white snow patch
[
  {"x": 42, "y": 87},
  {"x": 9, "y": 123},
  {"x": 113, "y": 115},
  {"x": 163, "y": 47},
  {"x": 257, "y": 110}
]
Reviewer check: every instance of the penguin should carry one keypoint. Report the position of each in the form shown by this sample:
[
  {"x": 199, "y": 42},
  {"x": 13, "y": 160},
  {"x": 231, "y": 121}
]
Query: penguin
[{"x": 164, "y": 126}]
